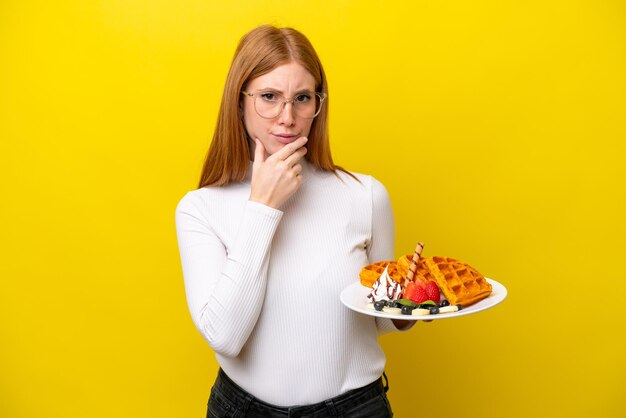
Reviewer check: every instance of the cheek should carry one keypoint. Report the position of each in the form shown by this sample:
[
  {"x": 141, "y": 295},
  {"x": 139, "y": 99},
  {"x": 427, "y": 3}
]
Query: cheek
[
  {"x": 306, "y": 128},
  {"x": 250, "y": 122}
]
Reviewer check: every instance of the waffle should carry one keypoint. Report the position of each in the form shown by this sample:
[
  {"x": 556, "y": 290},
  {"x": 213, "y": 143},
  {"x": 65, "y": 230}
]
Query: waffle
[
  {"x": 404, "y": 263},
  {"x": 422, "y": 272},
  {"x": 370, "y": 273},
  {"x": 458, "y": 281}
]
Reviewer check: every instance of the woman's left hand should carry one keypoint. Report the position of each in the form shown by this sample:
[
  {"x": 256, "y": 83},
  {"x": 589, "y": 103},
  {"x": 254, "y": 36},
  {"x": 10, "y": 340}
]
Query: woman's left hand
[{"x": 401, "y": 324}]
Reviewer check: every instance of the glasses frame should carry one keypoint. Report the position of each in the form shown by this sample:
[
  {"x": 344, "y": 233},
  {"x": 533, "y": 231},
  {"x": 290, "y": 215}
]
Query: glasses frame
[{"x": 322, "y": 96}]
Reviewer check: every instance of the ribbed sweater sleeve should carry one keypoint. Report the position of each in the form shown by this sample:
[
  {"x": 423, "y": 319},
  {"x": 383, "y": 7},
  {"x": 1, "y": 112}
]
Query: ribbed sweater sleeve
[
  {"x": 383, "y": 237},
  {"x": 220, "y": 281}
]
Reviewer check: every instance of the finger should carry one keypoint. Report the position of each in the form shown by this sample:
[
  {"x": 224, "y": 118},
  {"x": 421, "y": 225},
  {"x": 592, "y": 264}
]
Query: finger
[
  {"x": 259, "y": 152},
  {"x": 289, "y": 149},
  {"x": 297, "y": 169},
  {"x": 296, "y": 156}
]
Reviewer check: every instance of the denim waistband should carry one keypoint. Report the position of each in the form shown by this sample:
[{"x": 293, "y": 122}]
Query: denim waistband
[{"x": 336, "y": 406}]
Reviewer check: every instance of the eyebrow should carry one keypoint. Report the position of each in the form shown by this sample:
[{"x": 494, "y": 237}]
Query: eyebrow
[{"x": 283, "y": 93}]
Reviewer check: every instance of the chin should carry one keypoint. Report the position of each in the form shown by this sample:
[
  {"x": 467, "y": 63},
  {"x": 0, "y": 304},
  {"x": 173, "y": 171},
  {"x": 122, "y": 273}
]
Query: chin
[{"x": 272, "y": 149}]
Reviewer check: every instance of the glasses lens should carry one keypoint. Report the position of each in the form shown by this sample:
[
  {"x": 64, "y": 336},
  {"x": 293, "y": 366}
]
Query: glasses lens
[
  {"x": 306, "y": 105},
  {"x": 269, "y": 104}
]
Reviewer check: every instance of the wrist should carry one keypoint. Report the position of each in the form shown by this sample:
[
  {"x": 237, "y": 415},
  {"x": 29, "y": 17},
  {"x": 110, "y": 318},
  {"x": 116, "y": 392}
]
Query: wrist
[{"x": 263, "y": 201}]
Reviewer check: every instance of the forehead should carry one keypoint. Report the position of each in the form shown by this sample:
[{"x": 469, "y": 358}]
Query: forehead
[{"x": 285, "y": 78}]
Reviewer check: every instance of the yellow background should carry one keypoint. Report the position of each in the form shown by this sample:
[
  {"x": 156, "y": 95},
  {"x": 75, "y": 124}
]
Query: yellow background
[{"x": 497, "y": 127}]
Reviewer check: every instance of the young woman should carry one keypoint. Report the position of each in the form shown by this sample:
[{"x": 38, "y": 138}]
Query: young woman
[{"x": 271, "y": 237}]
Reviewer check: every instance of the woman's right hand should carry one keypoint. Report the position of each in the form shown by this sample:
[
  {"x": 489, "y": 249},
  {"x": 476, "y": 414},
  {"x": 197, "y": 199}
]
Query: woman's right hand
[{"x": 277, "y": 177}]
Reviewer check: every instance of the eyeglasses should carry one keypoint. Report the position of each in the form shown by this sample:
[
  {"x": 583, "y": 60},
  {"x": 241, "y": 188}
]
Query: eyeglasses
[{"x": 269, "y": 104}]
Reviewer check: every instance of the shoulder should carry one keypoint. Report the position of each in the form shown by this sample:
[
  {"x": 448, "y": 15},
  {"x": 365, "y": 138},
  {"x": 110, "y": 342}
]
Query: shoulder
[
  {"x": 363, "y": 189},
  {"x": 193, "y": 203},
  {"x": 193, "y": 198},
  {"x": 365, "y": 182},
  {"x": 214, "y": 203},
  {"x": 208, "y": 196},
  {"x": 200, "y": 200}
]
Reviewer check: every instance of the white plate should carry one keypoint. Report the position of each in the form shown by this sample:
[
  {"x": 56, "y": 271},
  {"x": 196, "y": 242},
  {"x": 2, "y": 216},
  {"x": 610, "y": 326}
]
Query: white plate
[{"x": 355, "y": 298}]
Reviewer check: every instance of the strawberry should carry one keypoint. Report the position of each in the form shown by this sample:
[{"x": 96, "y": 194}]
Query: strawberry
[
  {"x": 432, "y": 291},
  {"x": 420, "y": 295},
  {"x": 408, "y": 290},
  {"x": 415, "y": 292},
  {"x": 420, "y": 282}
]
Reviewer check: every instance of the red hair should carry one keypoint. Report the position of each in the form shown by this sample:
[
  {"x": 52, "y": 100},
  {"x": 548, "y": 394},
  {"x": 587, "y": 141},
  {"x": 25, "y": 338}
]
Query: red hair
[{"x": 259, "y": 52}]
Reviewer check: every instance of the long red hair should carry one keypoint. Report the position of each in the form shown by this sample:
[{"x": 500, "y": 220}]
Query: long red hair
[{"x": 259, "y": 52}]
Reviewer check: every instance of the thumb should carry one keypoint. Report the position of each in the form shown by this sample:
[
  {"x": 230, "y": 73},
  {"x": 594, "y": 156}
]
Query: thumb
[{"x": 259, "y": 152}]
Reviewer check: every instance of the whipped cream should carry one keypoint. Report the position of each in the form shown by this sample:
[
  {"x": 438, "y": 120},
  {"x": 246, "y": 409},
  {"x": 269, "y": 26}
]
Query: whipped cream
[{"x": 385, "y": 288}]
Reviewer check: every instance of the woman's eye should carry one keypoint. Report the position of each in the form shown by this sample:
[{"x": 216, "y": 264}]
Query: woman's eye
[
  {"x": 270, "y": 97},
  {"x": 303, "y": 98}
]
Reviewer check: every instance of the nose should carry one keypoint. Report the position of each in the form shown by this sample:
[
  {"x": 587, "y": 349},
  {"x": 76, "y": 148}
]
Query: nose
[{"x": 286, "y": 116}]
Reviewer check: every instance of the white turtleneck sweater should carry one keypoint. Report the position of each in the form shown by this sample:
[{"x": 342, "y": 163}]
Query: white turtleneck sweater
[{"x": 263, "y": 284}]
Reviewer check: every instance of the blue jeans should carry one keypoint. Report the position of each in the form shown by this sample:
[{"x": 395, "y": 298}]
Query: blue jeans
[{"x": 230, "y": 401}]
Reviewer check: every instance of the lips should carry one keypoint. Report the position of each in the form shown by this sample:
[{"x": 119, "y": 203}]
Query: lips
[{"x": 285, "y": 138}]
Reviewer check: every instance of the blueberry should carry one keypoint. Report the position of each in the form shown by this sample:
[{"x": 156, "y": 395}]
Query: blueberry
[
  {"x": 407, "y": 310},
  {"x": 379, "y": 305},
  {"x": 445, "y": 303},
  {"x": 434, "y": 310},
  {"x": 459, "y": 306}
]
